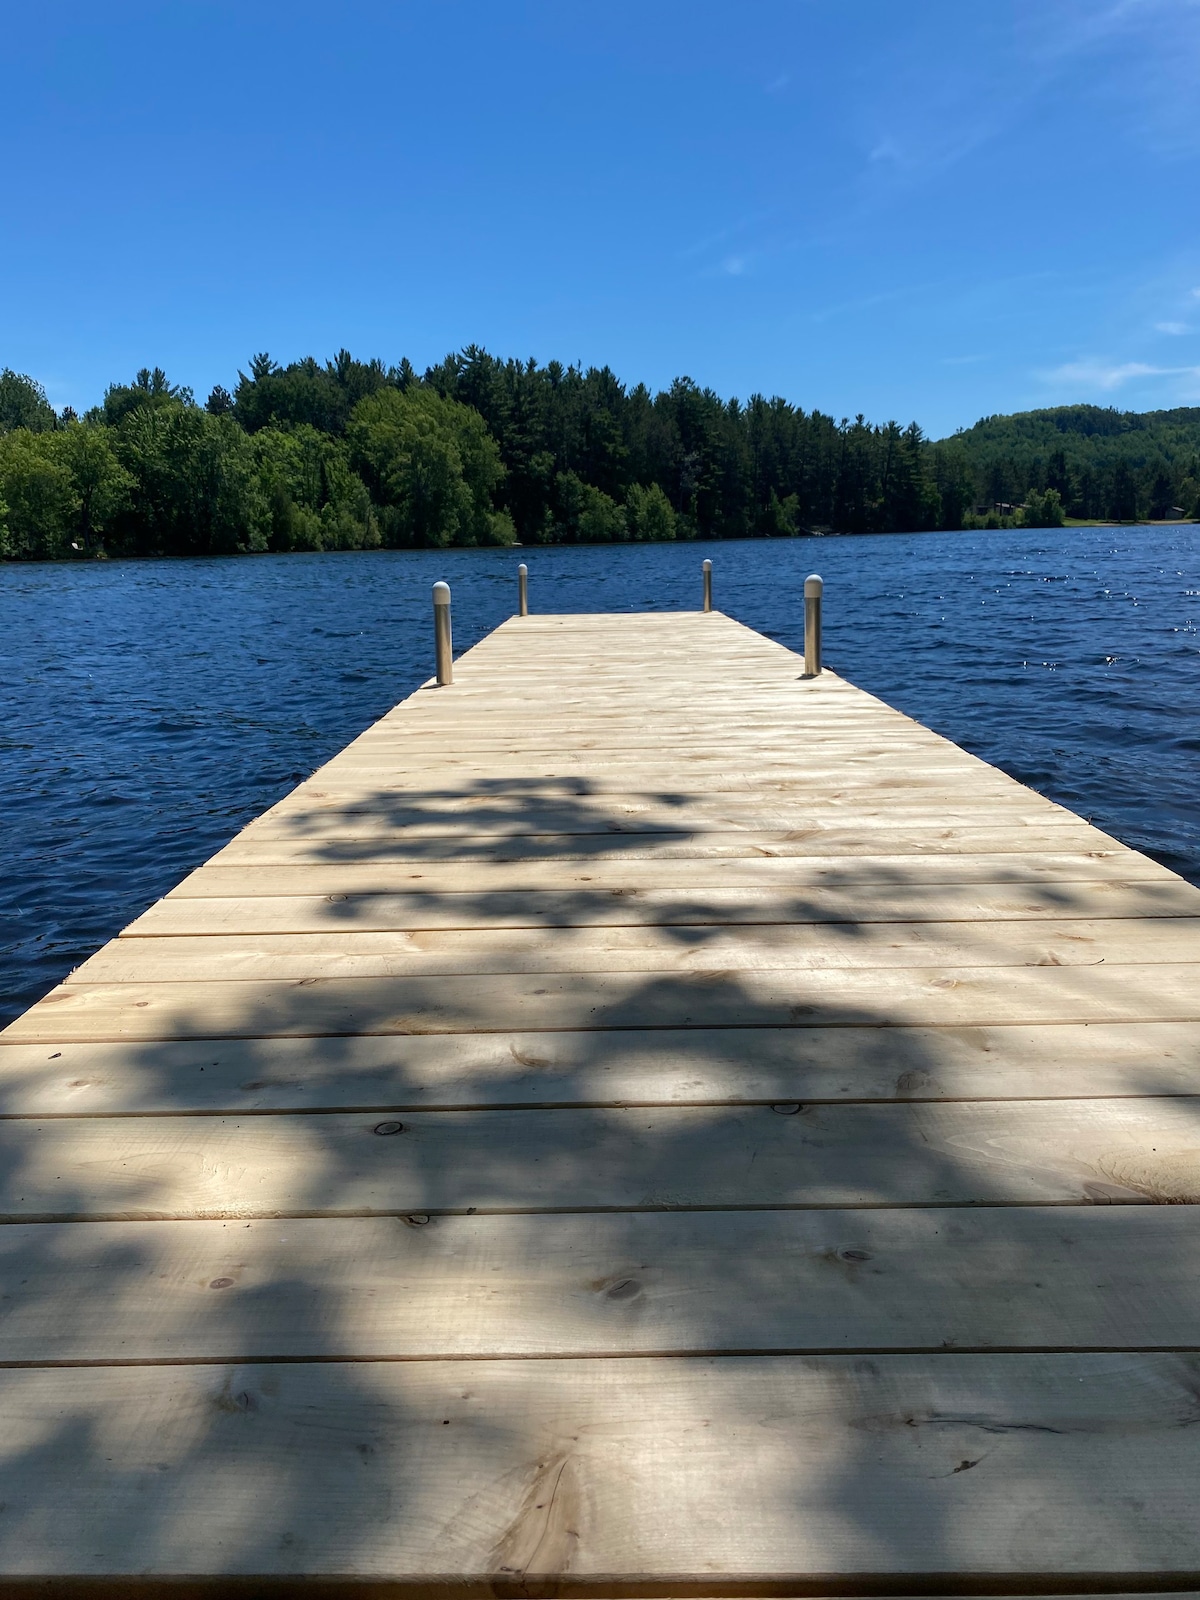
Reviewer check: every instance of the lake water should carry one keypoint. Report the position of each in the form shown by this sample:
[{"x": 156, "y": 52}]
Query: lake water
[{"x": 149, "y": 709}]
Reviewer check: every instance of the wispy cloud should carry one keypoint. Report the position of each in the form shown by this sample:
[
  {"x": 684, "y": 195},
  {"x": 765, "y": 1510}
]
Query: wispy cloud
[
  {"x": 1107, "y": 376},
  {"x": 779, "y": 83},
  {"x": 887, "y": 150},
  {"x": 1141, "y": 58},
  {"x": 1100, "y": 374},
  {"x": 1153, "y": 44},
  {"x": 1073, "y": 26},
  {"x": 1176, "y": 328},
  {"x": 734, "y": 266},
  {"x": 868, "y": 302},
  {"x": 740, "y": 239}
]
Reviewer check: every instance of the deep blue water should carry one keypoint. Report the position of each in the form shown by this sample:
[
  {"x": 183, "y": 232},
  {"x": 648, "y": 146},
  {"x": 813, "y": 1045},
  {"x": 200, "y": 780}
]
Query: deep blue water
[{"x": 149, "y": 709}]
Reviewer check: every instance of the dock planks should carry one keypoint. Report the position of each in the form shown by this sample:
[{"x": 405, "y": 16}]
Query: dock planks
[{"x": 637, "y": 1122}]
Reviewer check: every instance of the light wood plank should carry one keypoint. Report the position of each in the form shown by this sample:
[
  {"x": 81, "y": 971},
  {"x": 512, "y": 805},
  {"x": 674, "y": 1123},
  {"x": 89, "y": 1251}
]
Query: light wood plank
[
  {"x": 817, "y": 779},
  {"x": 598, "y": 797},
  {"x": 927, "y": 840},
  {"x": 1045, "y": 1152},
  {"x": 632, "y": 1067},
  {"x": 450, "y": 1477},
  {"x": 882, "y": 997},
  {"x": 632, "y": 820},
  {"x": 865, "y": 905},
  {"x": 799, "y": 754},
  {"x": 682, "y": 773},
  {"x": 1018, "y": 869},
  {"x": 772, "y": 742},
  {"x": 680, "y": 948},
  {"x": 665, "y": 1283},
  {"x": 564, "y": 814}
]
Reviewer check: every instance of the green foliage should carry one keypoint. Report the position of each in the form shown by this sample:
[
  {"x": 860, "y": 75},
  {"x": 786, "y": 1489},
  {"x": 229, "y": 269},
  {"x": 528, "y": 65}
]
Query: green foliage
[
  {"x": 347, "y": 454},
  {"x": 431, "y": 465},
  {"x": 150, "y": 390},
  {"x": 101, "y": 484},
  {"x": 648, "y": 513},
  {"x": 954, "y": 483},
  {"x": 40, "y": 497},
  {"x": 779, "y": 519},
  {"x": 1105, "y": 464},
  {"x": 23, "y": 404},
  {"x": 63, "y": 490},
  {"x": 585, "y": 514},
  {"x": 315, "y": 500},
  {"x": 303, "y": 393},
  {"x": 195, "y": 490},
  {"x": 908, "y": 501},
  {"x": 1044, "y": 510}
]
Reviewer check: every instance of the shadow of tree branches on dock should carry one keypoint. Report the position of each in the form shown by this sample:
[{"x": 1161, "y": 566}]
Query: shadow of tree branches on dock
[{"x": 649, "y": 1282}]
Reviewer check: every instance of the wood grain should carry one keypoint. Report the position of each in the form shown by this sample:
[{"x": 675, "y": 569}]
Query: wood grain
[
  {"x": 600, "y": 1284},
  {"x": 780, "y": 1475},
  {"x": 1072, "y": 1153},
  {"x": 683, "y": 947},
  {"x": 863, "y": 905},
  {"x": 1018, "y": 870},
  {"x": 658, "y": 1066},
  {"x": 883, "y": 997}
]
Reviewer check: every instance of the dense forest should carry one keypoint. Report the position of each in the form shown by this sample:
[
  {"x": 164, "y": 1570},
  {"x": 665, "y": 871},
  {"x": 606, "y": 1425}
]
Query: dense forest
[{"x": 347, "y": 455}]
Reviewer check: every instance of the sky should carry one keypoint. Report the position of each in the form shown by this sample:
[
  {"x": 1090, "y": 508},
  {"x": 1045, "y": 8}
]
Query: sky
[{"x": 934, "y": 211}]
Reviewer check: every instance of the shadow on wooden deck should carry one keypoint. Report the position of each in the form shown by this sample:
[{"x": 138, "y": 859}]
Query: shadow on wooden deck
[{"x": 770, "y": 1343}]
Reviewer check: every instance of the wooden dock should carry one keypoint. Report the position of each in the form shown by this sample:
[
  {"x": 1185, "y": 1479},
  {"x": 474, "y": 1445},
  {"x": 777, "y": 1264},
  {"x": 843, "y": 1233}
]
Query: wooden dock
[{"x": 637, "y": 1123}]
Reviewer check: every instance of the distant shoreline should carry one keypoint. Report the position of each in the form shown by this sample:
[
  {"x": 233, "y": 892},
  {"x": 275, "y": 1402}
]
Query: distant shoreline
[{"x": 479, "y": 451}]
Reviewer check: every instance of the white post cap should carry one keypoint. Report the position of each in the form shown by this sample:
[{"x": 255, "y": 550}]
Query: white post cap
[
  {"x": 707, "y": 565},
  {"x": 441, "y": 594},
  {"x": 523, "y": 570},
  {"x": 812, "y": 587}
]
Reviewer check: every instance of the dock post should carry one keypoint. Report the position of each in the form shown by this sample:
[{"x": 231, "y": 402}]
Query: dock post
[
  {"x": 441, "y": 633},
  {"x": 522, "y": 590},
  {"x": 707, "y": 585},
  {"x": 813, "y": 588}
]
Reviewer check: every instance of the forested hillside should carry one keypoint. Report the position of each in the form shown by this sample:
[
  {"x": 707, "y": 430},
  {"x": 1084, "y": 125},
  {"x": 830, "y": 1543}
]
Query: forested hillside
[
  {"x": 1113, "y": 465},
  {"x": 350, "y": 455}
]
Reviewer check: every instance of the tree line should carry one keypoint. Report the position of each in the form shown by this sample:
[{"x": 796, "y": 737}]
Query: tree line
[
  {"x": 346, "y": 454},
  {"x": 1095, "y": 462}
]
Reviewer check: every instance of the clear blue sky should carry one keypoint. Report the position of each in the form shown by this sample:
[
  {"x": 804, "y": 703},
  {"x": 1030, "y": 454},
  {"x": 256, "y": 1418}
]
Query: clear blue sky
[{"x": 932, "y": 210}]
